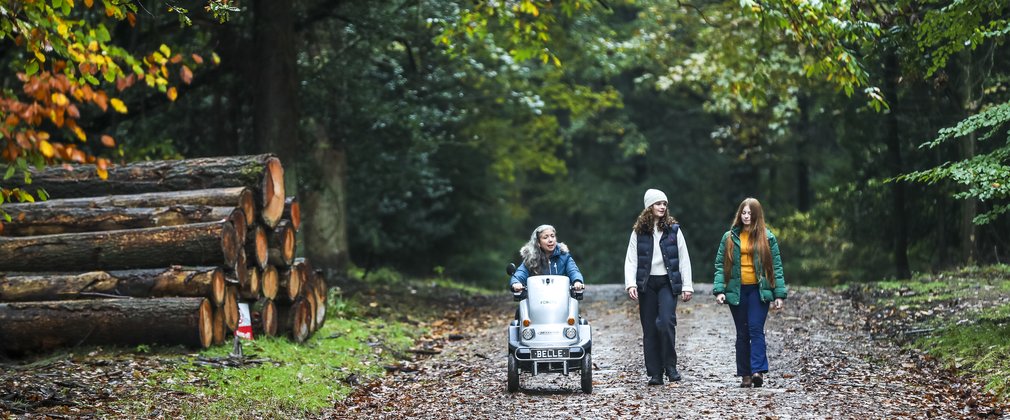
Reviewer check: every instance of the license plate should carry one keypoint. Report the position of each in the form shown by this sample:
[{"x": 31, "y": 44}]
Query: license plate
[{"x": 550, "y": 353}]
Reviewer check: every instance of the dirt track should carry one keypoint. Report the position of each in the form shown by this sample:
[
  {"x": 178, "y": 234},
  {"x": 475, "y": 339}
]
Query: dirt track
[{"x": 822, "y": 366}]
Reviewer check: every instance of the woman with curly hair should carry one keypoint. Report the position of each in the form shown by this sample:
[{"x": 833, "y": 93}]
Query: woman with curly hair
[
  {"x": 657, "y": 269},
  {"x": 748, "y": 276},
  {"x": 544, "y": 255}
]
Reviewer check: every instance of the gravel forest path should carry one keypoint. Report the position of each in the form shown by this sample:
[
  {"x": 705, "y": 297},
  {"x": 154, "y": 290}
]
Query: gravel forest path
[{"x": 822, "y": 366}]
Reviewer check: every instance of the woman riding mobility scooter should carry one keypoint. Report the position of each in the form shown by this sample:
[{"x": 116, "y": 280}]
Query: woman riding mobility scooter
[{"x": 549, "y": 335}]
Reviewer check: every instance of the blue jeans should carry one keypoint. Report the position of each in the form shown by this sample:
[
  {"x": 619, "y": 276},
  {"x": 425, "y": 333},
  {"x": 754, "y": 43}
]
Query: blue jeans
[{"x": 749, "y": 317}]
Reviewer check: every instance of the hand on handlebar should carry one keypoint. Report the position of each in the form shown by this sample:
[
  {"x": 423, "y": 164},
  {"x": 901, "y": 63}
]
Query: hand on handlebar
[
  {"x": 517, "y": 287},
  {"x": 578, "y": 286}
]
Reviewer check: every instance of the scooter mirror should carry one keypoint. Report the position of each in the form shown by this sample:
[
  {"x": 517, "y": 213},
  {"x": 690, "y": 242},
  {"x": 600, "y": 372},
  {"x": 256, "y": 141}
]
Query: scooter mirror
[{"x": 510, "y": 269}]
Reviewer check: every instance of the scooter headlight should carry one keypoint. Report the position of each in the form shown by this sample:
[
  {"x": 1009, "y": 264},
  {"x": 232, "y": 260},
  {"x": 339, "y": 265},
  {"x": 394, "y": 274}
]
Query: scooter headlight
[
  {"x": 528, "y": 334},
  {"x": 569, "y": 333}
]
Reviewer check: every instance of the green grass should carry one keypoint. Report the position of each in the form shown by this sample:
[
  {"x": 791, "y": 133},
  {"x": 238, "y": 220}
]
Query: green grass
[
  {"x": 361, "y": 335},
  {"x": 982, "y": 349},
  {"x": 979, "y": 347},
  {"x": 293, "y": 379}
]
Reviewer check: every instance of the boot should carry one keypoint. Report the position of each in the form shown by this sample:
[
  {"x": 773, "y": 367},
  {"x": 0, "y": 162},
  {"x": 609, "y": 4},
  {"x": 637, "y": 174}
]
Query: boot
[
  {"x": 758, "y": 380},
  {"x": 672, "y": 374},
  {"x": 656, "y": 380},
  {"x": 745, "y": 382}
]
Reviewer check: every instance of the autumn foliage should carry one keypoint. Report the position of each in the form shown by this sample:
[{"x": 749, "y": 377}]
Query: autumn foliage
[{"x": 70, "y": 69}]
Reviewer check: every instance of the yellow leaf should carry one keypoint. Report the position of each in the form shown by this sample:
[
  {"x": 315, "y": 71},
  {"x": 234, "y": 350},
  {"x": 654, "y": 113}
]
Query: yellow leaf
[
  {"x": 62, "y": 29},
  {"x": 60, "y": 99},
  {"x": 93, "y": 46},
  {"x": 164, "y": 50},
  {"x": 46, "y": 149},
  {"x": 215, "y": 58},
  {"x": 102, "y": 173},
  {"x": 80, "y": 133},
  {"x": 40, "y": 56},
  {"x": 118, "y": 105},
  {"x": 172, "y": 93}
]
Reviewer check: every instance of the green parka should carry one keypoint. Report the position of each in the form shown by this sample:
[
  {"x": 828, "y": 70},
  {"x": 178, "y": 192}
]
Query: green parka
[{"x": 732, "y": 290}]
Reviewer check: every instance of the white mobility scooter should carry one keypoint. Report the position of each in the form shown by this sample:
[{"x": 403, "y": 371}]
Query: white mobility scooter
[{"x": 549, "y": 335}]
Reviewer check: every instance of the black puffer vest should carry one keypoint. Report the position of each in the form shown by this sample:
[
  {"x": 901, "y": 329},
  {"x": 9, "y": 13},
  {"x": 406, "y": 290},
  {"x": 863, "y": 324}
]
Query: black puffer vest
[{"x": 668, "y": 246}]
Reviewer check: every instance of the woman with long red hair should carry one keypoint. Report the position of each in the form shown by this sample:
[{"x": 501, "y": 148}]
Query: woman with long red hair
[{"x": 748, "y": 276}]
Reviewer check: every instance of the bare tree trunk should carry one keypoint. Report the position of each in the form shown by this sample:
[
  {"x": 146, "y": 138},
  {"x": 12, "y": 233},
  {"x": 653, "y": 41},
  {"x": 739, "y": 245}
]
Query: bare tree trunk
[
  {"x": 325, "y": 205},
  {"x": 276, "y": 112},
  {"x": 898, "y": 205},
  {"x": 969, "y": 207}
]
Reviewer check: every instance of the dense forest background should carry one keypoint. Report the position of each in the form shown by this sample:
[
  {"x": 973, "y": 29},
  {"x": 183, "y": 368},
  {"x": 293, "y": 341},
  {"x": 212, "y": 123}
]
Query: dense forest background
[{"x": 431, "y": 137}]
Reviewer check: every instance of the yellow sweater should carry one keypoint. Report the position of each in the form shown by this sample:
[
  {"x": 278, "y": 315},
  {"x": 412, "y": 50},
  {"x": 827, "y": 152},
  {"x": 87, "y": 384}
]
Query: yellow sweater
[{"x": 746, "y": 259}]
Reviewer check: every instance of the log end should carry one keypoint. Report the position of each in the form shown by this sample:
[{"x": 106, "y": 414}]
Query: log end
[
  {"x": 262, "y": 247},
  {"x": 270, "y": 282},
  {"x": 206, "y": 316},
  {"x": 247, "y": 202},
  {"x": 231, "y": 308},
  {"x": 273, "y": 192},
  {"x": 217, "y": 326},
  {"x": 269, "y": 315},
  {"x": 293, "y": 212},
  {"x": 217, "y": 287}
]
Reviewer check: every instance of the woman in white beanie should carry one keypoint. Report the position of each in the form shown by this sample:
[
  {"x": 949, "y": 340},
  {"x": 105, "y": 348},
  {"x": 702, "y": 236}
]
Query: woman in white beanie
[{"x": 657, "y": 269}]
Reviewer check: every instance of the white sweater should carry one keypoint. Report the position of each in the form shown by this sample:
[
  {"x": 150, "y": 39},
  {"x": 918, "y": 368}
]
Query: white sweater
[{"x": 658, "y": 267}]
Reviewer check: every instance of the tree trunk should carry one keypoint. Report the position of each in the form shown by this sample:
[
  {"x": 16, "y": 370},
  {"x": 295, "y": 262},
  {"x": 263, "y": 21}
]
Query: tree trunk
[
  {"x": 90, "y": 219},
  {"x": 41, "y": 326},
  {"x": 263, "y": 174},
  {"x": 899, "y": 217},
  {"x": 326, "y": 204},
  {"x": 235, "y": 197},
  {"x": 969, "y": 207},
  {"x": 804, "y": 134},
  {"x": 174, "y": 281},
  {"x": 275, "y": 108},
  {"x": 194, "y": 244}
]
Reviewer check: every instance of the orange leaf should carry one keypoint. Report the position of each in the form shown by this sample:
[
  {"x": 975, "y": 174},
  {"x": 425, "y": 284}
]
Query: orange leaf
[
  {"x": 102, "y": 164},
  {"x": 175, "y": 59},
  {"x": 186, "y": 74},
  {"x": 89, "y": 3},
  {"x": 108, "y": 141},
  {"x": 132, "y": 18},
  {"x": 197, "y": 59},
  {"x": 73, "y": 111},
  {"x": 172, "y": 94}
]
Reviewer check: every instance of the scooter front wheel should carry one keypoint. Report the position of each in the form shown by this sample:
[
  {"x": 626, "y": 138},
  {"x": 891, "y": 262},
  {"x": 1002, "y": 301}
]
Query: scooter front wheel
[{"x": 513, "y": 381}]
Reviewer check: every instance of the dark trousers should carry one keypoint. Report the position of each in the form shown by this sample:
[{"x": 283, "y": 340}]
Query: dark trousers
[
  {"x": 749, "y": 317},
  {"x": 657, "y": 308}
]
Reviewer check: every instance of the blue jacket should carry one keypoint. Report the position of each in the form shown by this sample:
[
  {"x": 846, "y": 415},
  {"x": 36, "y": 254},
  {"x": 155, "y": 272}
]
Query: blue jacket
[{"x": 561, "y": 263}]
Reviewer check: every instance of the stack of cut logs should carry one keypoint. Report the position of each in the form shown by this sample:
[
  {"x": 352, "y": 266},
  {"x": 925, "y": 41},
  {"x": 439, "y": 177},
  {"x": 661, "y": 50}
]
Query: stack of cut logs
[{"x": 159, "y": 252}]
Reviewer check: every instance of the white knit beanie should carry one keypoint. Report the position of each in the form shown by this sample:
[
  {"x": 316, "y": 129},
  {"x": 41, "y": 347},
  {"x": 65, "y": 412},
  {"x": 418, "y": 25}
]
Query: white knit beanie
[{"x": 653, "y": 196}]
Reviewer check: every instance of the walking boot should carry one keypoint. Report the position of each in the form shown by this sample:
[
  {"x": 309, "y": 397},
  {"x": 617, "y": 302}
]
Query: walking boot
[
  {"x": 745, "y": 382},
  {"x": 656, "y": 380},
  {"x": 672, "y": 374},
  {"x": 758, "y": 380}
]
